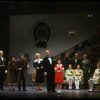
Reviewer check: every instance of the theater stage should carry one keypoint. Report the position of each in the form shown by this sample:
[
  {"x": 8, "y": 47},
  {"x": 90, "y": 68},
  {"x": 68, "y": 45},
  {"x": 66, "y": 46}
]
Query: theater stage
[{"x": 33, "y": 93}]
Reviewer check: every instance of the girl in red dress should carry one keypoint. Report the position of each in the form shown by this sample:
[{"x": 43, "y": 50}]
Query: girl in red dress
[{"x": 59, "y": 72}]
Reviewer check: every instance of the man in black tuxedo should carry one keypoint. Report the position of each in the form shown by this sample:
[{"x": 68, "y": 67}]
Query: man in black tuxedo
[
  {"x": 48, "y": 63},
  {"x": 2, "y": 70}
]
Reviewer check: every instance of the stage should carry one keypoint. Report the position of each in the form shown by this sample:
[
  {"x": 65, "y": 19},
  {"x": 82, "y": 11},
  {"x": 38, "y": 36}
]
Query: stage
[{"x": 33, "y": 93}]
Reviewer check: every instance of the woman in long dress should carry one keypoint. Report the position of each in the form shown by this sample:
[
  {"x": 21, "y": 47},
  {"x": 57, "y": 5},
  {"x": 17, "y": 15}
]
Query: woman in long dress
[
  {"x": 38, "y": 64},
  {"x": 11, "y": 76}
]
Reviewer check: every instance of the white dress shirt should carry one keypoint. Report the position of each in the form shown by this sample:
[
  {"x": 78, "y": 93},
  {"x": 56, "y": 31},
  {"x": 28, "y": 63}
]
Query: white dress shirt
[{"x": 50, "y": 60}]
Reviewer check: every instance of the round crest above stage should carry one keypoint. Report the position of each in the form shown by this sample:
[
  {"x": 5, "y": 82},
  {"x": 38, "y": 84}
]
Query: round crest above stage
[{"x": 41, "y": 33}]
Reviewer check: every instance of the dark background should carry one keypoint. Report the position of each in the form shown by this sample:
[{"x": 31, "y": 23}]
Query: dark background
[{"x": 8, "y": 8}]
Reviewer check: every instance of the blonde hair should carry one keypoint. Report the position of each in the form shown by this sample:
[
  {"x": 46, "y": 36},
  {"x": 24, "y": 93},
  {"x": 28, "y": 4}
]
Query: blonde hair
[{"x": 37, "y": 55}]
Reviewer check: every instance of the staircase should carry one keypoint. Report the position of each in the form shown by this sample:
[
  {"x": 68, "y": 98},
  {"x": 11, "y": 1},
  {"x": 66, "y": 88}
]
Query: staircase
[{"x": 91, "y": 46}]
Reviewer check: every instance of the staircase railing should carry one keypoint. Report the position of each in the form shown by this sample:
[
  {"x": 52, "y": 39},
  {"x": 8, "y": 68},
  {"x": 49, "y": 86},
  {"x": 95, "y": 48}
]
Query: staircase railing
[{"x": 78, "y": 47}]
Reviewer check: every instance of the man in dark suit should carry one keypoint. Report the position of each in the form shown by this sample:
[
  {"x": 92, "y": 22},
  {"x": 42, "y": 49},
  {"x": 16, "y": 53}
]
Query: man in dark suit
[
  {"x": 48, "y": 63},
  {"x": 86, "y": 66},
  {"x": 21, "y": 72},
  {"x": 76, "y": 61},
  {"x": 66, "y": 61},
  {"x": 2, "y": 70}
]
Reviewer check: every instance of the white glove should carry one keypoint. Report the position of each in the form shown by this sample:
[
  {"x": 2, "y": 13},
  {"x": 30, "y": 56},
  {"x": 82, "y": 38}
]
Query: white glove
[
  {"x": 45, "y": 73},
  {"x": 28, "y": 66}
]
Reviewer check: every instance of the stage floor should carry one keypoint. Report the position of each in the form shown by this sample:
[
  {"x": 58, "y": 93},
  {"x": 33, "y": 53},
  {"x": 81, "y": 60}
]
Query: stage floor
[{"x": 33, "y": 93}]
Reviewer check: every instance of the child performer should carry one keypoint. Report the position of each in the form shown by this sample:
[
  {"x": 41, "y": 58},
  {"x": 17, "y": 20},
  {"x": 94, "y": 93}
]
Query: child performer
[{"x": 59, "y": 75}]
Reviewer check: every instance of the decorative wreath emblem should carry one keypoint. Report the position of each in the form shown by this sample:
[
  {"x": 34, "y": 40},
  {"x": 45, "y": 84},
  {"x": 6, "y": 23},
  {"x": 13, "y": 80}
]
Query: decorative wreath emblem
[{"x": 41, "y": 34}]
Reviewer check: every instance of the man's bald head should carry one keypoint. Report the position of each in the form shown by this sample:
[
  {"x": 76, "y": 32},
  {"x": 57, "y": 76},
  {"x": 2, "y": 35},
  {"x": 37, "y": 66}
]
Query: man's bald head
[
  {"x": 1, "y": 53},
  {"x": 48, "y": 53}
]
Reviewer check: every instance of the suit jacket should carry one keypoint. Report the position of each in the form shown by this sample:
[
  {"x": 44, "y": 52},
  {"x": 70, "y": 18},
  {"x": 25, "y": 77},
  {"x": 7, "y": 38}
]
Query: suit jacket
[
  {"x": 21, "y": 64},
  {"x": 49, "y": 68},
  {"x": 2, "y": 62},
  {"x": 76, "y": 63},
  {"x": 66, "y": 62},
  {"x": 2, "y": 68}
]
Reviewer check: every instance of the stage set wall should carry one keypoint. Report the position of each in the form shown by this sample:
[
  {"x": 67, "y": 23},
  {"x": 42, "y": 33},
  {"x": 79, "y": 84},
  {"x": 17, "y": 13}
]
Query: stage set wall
[{"x": 21, "y": 40}]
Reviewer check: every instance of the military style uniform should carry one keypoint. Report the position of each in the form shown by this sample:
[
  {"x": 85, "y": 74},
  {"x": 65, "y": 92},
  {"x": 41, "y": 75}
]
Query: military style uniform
[
  {"x": 78, "y": 74},
  {"x": 69, "y": 77}
]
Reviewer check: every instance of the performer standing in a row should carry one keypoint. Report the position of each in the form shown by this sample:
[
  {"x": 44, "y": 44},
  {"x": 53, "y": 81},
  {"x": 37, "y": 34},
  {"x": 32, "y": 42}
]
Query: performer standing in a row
[
  {"x": 2, "y": 69},
  {"x": 12, "y": 75},
  {"x": 48, "y": 63},
  {"x": 38, "y": 64},
  {"x": 21, "y": 72},
  {"x": 59, "y": 75},
  {"x": 66, "y": 61},
  {"x": 76, "y": 61},
  {"x": 86, "y": 70}
]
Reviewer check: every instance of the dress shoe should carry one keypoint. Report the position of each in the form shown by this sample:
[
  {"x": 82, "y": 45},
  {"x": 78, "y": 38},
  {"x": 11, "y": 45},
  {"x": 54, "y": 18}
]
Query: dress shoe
[{"x": 90, "y": 90}]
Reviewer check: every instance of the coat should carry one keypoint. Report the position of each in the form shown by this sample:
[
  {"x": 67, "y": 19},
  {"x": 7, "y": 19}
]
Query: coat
[
  {"x": 11, "y": 75},
  {"x": 49, "y": 68},
  {"x": 21, "y": 63}
]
